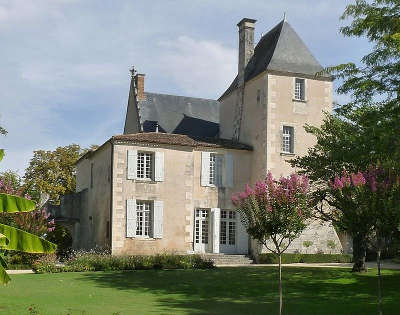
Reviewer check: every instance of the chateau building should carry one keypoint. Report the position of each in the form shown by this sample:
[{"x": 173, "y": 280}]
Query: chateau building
[{"x": 165, "y": 185}]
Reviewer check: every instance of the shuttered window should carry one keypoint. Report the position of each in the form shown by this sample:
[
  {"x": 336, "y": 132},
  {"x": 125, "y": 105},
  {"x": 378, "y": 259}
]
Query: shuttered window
[{"x": 145, "y": 165}]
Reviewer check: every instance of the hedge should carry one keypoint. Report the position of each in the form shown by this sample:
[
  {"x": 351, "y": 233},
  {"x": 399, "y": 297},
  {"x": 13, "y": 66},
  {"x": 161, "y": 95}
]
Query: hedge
[
  {"x": 105, "y": 262},
  {"x": 270, "y": 258}
]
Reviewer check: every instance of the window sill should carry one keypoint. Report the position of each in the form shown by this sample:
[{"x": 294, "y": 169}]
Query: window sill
[
  {"x": 299, "y": 101},
  {"x": 145, "y": 181},
  {"x": 142, "y": 238},
  {"x": 287, "y": 154}
]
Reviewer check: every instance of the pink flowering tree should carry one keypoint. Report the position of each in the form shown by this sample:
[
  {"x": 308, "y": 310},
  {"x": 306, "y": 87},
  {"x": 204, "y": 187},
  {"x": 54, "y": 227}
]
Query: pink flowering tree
[
  {"x": 369, "y": 204},
  {"x": 275, "y": 212}
]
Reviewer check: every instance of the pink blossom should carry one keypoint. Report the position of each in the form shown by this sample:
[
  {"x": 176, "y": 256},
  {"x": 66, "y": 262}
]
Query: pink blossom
[
  {"x": 337, "y": 183},
  {"x": 358, "y": 179},
  {"x": 235, "y": 199},
  {"x": 249, "y": 191}
]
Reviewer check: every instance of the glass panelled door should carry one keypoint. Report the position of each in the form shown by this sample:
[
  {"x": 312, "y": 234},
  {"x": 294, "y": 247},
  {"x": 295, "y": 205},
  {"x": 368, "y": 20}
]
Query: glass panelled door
[
  {"x": 202, "y": 231},
  {"x": 227, "y": 239}
]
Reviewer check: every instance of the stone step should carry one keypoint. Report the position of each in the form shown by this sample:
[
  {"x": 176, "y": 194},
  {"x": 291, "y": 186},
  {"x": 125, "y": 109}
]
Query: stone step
[{"x": 228, "y": 259}]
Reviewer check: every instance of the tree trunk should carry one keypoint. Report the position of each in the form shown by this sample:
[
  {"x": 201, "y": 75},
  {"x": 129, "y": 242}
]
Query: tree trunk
[
  {"x": 359, "y": 253},
  {"x": 378, "y": 261},
  {"x": 280, "y": 284}
]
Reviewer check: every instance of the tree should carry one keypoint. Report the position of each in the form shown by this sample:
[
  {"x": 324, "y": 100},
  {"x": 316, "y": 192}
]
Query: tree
[
  {"x": 53, "y": 172},
  {"x": 275, "y": 213},
  {"x": 370, "y": 199},
  {"x": 12, "y": 238},
  {"x": 364, "y": 131}
]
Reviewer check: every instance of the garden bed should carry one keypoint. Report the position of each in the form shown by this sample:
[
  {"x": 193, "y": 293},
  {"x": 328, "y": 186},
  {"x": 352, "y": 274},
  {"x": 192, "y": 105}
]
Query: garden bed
[{"x": 270, "y": 258}]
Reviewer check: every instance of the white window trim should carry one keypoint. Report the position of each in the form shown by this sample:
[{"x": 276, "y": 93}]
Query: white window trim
[
  {"x": 291, "y": 143},
  {"x": 152, "y": 166},
  {"x": 294, "y": 90},
  {"x": 151, "y": 220}
]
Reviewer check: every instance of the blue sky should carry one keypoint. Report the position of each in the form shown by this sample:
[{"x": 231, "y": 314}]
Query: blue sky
[{"x": 64, "y": 64}]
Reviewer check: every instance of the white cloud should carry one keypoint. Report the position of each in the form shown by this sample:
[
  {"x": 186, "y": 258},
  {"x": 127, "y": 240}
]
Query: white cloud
[{"x": 199, "y": 67}]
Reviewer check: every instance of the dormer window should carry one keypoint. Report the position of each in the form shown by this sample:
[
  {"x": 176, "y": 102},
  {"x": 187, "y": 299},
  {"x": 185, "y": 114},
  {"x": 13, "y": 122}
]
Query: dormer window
[{"x": 300, "y": 89}]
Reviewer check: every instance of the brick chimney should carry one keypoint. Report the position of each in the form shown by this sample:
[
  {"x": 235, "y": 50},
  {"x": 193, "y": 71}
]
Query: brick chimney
[
  {"x": 246, "y": 45},
  {"x": 139, "y": 82}
]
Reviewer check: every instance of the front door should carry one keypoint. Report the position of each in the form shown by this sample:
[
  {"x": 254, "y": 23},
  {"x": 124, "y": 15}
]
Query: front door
[
  {"x": 201, "y": 231},
  {"x": 228, "y": 235}
]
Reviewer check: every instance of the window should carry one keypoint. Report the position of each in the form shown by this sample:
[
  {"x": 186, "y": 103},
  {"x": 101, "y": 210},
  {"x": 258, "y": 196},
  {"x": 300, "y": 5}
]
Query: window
[
  {"x": 144, "y": 165},
  {"x": 227, "y": 234},
  {"x": 144, "y": 218},
  {"x": 258, "y": 97},
  {"x": 288, "y": 139},
  {"x": 213, "y": 169},
  {"x": 299, "y": 89}
]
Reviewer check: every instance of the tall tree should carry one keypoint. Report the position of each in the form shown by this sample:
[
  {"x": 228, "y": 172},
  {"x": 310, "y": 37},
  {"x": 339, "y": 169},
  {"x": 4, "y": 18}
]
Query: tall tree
[
  {"x": 53, "y": 172},
  {"x": 364, "y": 131}
]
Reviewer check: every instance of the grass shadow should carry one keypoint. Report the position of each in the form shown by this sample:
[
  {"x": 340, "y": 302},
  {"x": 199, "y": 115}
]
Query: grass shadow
[{"x": 255, "y": 290}]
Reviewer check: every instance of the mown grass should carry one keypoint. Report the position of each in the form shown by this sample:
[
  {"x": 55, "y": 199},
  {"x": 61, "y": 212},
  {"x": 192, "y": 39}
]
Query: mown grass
[{"x": 247, "y": 290}]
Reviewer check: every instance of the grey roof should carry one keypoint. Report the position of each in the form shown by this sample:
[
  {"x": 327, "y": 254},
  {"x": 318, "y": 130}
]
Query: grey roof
[
  {"x": 173, "y": 114},
  {"x": 281, "y": 49}
]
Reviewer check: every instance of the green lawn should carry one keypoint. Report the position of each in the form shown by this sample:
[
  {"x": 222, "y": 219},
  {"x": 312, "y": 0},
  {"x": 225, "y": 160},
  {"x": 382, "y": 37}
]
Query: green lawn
[{"x": 251, "y": 290}]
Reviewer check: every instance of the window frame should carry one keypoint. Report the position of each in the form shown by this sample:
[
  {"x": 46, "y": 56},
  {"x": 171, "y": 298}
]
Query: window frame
[
  {"x": 301, "y": 90},
  {"x": 145, "y": 168},
  {"x": 146, "y": 222},
  {"x": 287, "y": 139},
  {"x": 213, "y": 169}
]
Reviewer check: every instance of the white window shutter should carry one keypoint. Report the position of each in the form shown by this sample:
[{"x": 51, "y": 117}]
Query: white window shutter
[
  {"x": 228, "y": 182},
  {"x": 205, "y": 169},
  {"x": 131, "y": 218},
  {"x": 158, "y": 219},
  {"x": 216, "y": 222},
  {"x": 219, "y": 169},
  {"x": 132, "y": 164},
  {"x": 159, "y": 167}
]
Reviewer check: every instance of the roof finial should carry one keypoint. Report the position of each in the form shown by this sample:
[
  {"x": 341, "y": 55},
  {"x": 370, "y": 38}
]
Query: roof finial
[
  {"x": 284, "y": 16},
  {"x": 133, "y": 71}
]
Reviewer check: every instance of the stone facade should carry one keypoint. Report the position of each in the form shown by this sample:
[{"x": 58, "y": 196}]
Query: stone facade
[{"x": 188, "y": 214}]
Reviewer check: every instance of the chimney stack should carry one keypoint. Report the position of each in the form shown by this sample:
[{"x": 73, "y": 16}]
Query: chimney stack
[
  {"x": 246, "y": 45},
  {"x": 139, "y": 82}
]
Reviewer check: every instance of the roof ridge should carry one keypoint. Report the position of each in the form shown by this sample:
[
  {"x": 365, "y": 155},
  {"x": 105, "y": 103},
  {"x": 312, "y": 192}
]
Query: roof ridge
[{"x": 198, "y": 98}]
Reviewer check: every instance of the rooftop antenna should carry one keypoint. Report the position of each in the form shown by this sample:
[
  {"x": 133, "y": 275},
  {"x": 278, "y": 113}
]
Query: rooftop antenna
[{"x": 284, "y": 16}]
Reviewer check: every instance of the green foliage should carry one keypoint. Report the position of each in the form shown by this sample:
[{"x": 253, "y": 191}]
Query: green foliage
[
  {"x": 270, "y": 258},
  {"x": 307, "y": 243},
  {"x": 11, "y": 204},
  {"x": 2, "y": 132},
  {"x": 104, "y": 262},
  {"x": 15, "y": 239},
  {"x": 63, "y": 239},
  {"x": 52, "y": 172}
]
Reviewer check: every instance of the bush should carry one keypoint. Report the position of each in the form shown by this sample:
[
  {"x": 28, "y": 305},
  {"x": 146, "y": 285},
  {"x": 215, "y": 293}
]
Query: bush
[
  {"x": 97, "y": 261},
  {"x": 47, "y": 264},
  {"x": 270, "y": 258},
  {"x": 63, "y": 239}
]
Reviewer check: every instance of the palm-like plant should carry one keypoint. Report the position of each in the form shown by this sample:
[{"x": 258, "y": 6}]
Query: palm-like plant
[{"x": 12, "y": 238}]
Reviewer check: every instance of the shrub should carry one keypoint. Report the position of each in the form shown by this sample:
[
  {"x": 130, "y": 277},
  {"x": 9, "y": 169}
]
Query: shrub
[
  {"x": 103, "y": 261},
  {"x": 270, "y": 258},
  {"x": 47, "y": 264},
  {"x": 62, "y": 237}
]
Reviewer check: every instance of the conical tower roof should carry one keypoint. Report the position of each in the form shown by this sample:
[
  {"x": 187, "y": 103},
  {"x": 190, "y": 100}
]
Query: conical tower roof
[{"x": 281, "y": 49}]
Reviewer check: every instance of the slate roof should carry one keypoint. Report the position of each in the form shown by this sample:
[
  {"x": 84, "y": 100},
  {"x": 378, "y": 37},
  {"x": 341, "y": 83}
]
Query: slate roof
[
  {"x": 182, "y": 140},
  {"x": 179, "y": 114},
  {"x": 281, "y": 49}
]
